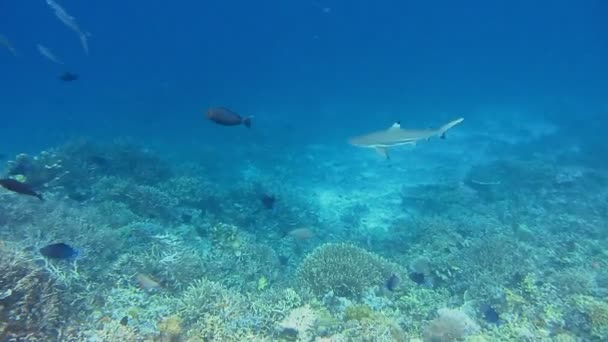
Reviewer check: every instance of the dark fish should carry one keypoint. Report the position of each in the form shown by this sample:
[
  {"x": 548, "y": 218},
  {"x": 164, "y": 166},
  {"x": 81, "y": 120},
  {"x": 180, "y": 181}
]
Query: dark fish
[
  {"x": 417, "y": 278},
  {"x": 68, "y": 77},
  {"x": 187, "y": 218},
  {"x": 19, "y": 187},
  {"x": 59, "y": 251},
  {"x": 226, "y": 117},
  {"x": 97, "y": 161},
  {"x": 490, "y": 315},
  {"x": 78, "y": 196},
  {"x": 283, "y": 260},
  {"x": 124, "y": 320},
  {"x": 392, "y": 282},
  {"x": 268, "y": 201}
]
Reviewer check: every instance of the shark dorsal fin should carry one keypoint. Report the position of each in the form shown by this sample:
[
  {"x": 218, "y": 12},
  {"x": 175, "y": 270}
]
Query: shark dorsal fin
[{"x": 396, "y": 125}]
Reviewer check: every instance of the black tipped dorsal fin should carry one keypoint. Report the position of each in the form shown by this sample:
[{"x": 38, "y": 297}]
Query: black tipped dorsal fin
[{"x": 396, "y": 125}]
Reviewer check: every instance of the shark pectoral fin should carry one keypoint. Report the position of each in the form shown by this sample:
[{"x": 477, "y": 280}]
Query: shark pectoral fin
[{"x": 383, "y": 151}]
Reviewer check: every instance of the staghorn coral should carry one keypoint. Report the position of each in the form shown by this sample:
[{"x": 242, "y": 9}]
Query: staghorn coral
[
  {"x": 87, "y": 161},
  {"x": 143, "y": 200},
  {"x": 165, "y": 257},
  {"x": 270, "y": 307},
  {"x": 192, "y": 192},
  {"x": 205, "y": 296},
  {"x": 418, "y": 304},
  {"x": 345, "y": 269},
  {"x": 143, "y": 309},
  {"x": 215, "y": 328},
  {"x": 380, "y": 329},
  {"x": 108, "y": 331},
  {"x": 29, "y": 300}
]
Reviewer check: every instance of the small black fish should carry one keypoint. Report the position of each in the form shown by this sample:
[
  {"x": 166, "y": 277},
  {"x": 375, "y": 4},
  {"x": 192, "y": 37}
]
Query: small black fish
[
  {"x": 68, "y": 77},
  {"x": 97, "y": 161},
  {"x": 19, "y": 187},
  {"x": 417, "y": 278},
  {"x": 283, "y": 260},
  {"x": 187, "y": 218},
  {"x": 78, "y": 196},
  {"x": 490, "y": 315},
  {"x": 124, "y": 320},
  {"x": 59, "y": 251},
  {"x": 268, "y": 201},
  {"x": 392, "y": 282}
]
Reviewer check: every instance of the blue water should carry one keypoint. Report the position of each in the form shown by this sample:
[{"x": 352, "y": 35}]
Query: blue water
[
  {"x": 529, "y": 77},
  {"x": 154, "y": 67}
]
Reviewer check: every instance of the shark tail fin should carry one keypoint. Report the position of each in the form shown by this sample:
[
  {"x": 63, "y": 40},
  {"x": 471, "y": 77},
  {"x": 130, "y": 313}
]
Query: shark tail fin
[{"x": 443, "y": 129}]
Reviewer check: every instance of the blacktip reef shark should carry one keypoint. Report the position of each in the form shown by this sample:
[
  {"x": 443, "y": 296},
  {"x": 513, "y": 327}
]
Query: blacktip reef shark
[{"x": 381, "y": 141}]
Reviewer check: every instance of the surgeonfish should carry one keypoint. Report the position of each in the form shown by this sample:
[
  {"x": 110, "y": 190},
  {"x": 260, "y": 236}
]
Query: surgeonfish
[
  {"x": 68, "y": 77},
  {"x": 392, "y": 282},
  {"x": 19, "y": 187},
  {"x": 59, "y": 251},
  {"x": 225, "y": 117}
]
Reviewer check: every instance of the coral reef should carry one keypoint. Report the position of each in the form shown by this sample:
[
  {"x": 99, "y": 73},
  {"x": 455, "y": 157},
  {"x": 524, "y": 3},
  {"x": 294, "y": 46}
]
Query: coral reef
[
  {"x": 450, "y": 325},
  {"x": 30, "y": 301},
  {"x": 225, "y": 268},
  {"x": 344, "y": 269},
  {"x": 298, "y": 325},
  {"x": 38, "y": 171}
]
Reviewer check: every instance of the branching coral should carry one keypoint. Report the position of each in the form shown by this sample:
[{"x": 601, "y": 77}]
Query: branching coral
[
  {"x": 382, "y": 330},
  {"x": 29, "y": 302},
  {"x": 144, "y": 200},
  {"x": 271, "y": 307},
  {"x": 109, "y": 331},
  {"x": 345, "y": 269},
  {"x": 192, "y": 192},
  {"x": 172, "y": 265},
  {"x": 420, "y": 303},
  {"x": 205, "y": 296}
]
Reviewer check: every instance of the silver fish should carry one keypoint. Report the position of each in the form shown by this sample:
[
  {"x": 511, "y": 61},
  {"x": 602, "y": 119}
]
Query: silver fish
[
  {"x": 70, "y": 22},
  {"x": 48, "y": 54}
]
